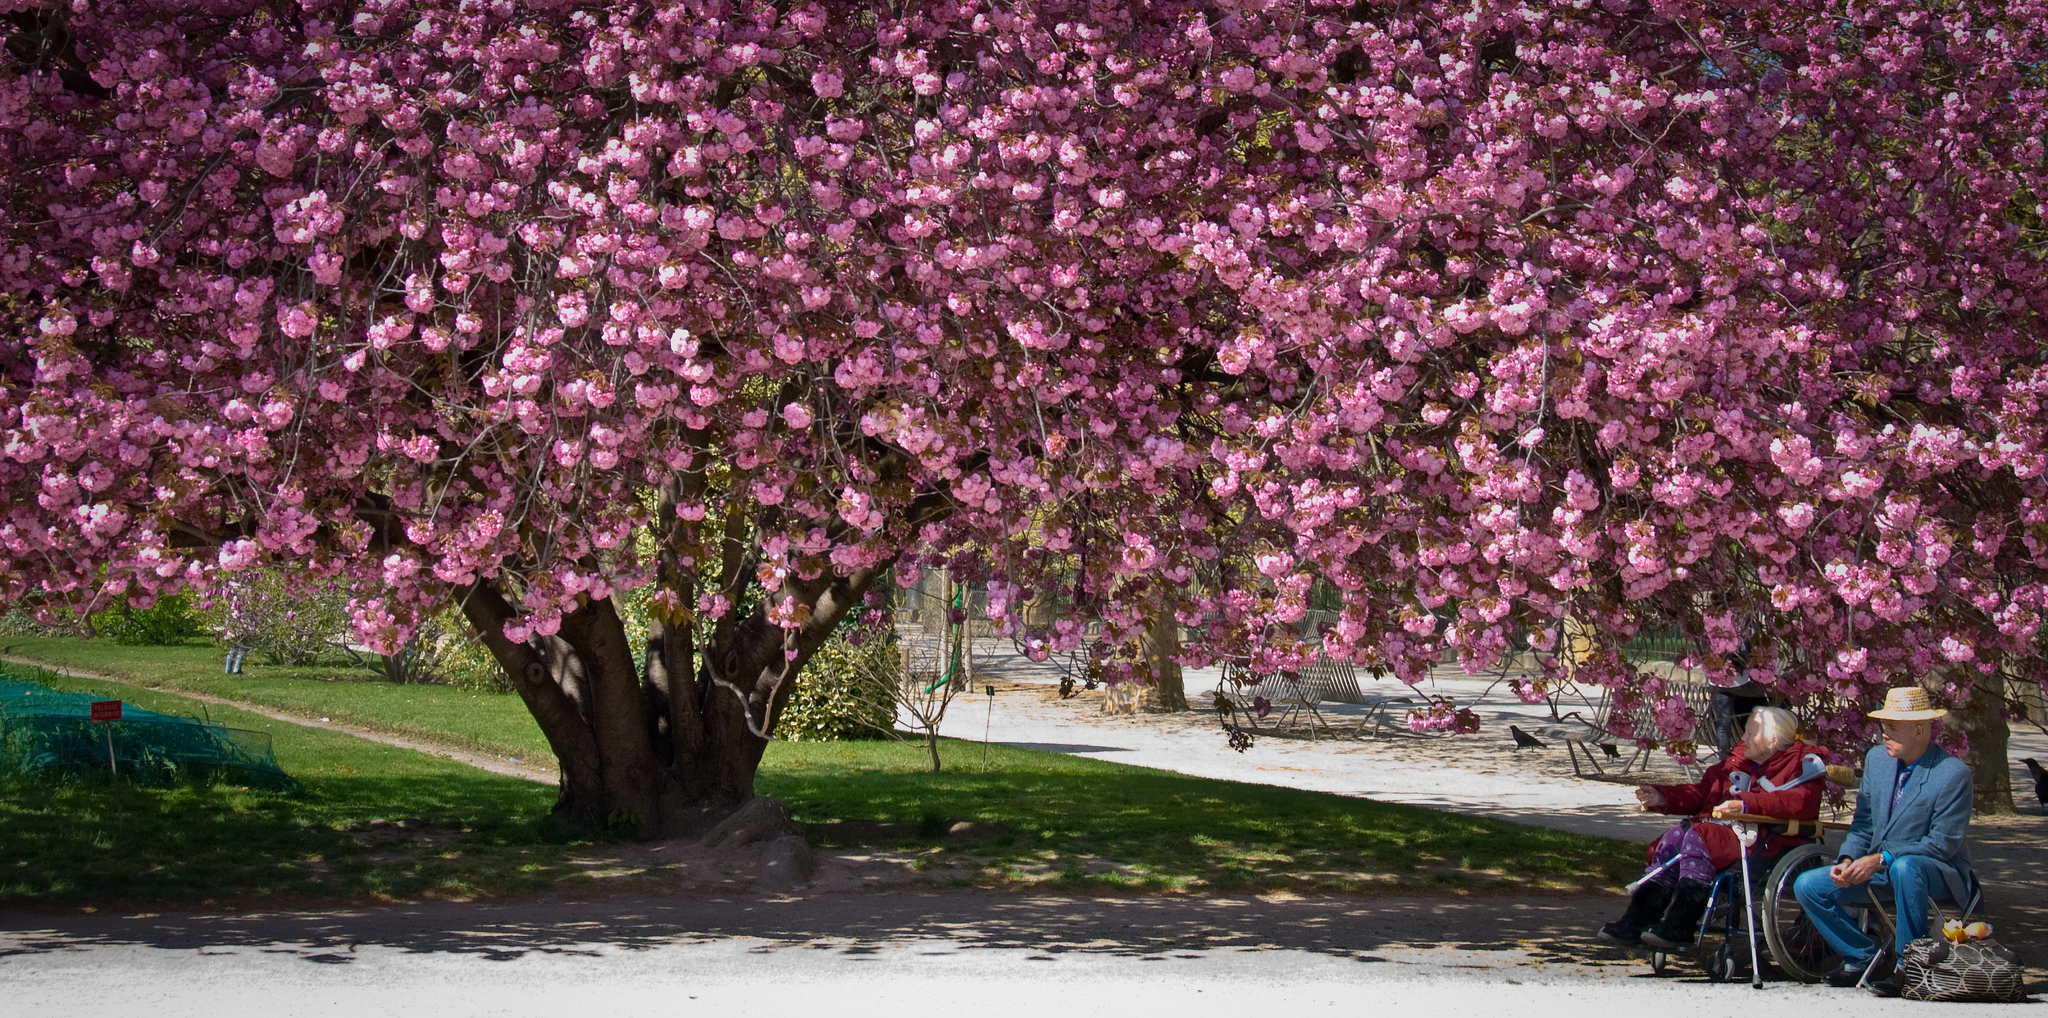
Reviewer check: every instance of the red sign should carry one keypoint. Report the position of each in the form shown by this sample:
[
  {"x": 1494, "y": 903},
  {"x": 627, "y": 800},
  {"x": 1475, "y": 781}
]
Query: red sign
[{"x": 106, "y": 710}]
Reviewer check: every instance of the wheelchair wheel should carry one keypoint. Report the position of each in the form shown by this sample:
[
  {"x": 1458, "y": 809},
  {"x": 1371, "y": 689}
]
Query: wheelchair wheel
[
  {"x": 1658, "y": 960},
  {"x": 1720, "y": 964},
  {"x": 1797, "y": 947}
]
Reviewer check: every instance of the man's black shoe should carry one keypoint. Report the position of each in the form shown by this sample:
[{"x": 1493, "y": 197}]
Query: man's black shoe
[
  {"x": 1893, "y": 977},
  {"x": 1851, "y": 972}
]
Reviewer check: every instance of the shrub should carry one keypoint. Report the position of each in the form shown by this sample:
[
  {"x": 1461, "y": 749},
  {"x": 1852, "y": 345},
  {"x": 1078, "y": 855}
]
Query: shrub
[
  {"x": 443, "y": 651},
  {"x": 294, "y": 620},
  {"x": 465, "y": 664},
  {"x": 843, "y": 693},
  {"x": 21, "y": 623},
  {"x": 170, "y": 620}
]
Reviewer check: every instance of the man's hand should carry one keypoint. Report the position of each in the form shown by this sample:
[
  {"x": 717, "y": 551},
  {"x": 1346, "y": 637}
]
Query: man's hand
[
  {"x": 1732, "y": 807},
  {"x": 1649, "y": 798},
  {"x": 1856, "y": 871}
]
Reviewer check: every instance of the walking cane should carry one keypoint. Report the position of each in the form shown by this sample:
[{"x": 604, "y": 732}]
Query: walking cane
[
  {"x": 1659, "y": 868},
  {"x": 1746, "y": 833}
]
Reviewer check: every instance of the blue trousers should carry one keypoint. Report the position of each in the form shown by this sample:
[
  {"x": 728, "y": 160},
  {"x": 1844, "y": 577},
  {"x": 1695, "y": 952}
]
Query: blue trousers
[{"x": 1913, "y": 882}]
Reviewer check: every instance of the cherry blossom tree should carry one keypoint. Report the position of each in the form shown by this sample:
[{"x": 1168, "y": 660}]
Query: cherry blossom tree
[{"x": 1483, "y": 316}]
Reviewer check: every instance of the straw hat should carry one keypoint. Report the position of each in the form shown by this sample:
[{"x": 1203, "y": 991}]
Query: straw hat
[{"x": 1908, "y": 703}]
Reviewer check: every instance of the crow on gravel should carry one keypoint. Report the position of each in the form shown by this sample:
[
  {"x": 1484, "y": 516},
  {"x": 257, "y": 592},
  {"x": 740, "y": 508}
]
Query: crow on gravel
[
  {"x": 2040, "y": 780},
  {"x": 1612, "y": 753},
  {"x": 1523, "y": 740}
]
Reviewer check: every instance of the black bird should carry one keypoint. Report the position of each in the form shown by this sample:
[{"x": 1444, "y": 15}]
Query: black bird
[
  {"x": 1523, "y": 740},
  {"x": 1612, "y": 753},
  {"x": 2040, "y": 780}
]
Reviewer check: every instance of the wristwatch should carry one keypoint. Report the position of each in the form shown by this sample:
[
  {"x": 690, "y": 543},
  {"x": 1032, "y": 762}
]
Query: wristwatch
[{"x": 1887, "y": 857}]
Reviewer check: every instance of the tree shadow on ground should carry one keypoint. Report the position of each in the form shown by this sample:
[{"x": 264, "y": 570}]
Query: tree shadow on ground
[
  {"x": 1547, "y": 929},
  {"x": 1489, "y": 931}
]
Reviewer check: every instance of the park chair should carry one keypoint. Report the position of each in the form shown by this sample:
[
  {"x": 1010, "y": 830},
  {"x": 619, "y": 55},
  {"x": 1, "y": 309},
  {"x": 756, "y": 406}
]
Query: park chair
[
  {"x": 1294, "y": 695},
  {"x": 1379, "y": 709},
  {"x": 1288, "y": 697},
  {"x": 1612, "y": 725},
  {"x": 1880, "y": 925}
]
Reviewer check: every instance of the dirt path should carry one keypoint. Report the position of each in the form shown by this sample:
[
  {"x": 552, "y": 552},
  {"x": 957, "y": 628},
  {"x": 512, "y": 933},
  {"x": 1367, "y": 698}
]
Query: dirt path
[
  {"x": 481, "y": 761},
  {"x": 1358, "y": 754},
  {"x": 1528, "y": 928}
]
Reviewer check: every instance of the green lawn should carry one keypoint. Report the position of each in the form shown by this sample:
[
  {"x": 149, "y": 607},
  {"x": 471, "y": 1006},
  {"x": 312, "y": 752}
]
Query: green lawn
[
  {"x": 1095, "y": 825},
  {"x": 1055, "y": 822},
  {"x": 91, "y": 843},
  {"x": 481, "y": 721}
]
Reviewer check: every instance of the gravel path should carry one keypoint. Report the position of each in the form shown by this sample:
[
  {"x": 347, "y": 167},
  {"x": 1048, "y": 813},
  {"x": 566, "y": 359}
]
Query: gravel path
[
  {"x": 1369, "y": 752},
  {"x": 877, "y": 953}
]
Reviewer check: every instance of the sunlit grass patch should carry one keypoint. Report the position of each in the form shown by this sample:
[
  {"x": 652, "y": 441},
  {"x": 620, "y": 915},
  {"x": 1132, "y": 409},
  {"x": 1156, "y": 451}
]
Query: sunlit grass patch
[
  {"x": 1085, "y": 824},
  {"x": 492, "y": 723}
]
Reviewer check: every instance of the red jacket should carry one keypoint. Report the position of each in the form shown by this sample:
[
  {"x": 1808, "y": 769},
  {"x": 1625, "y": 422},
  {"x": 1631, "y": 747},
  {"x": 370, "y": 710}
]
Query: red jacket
[{"x": 1736, "y": 777}]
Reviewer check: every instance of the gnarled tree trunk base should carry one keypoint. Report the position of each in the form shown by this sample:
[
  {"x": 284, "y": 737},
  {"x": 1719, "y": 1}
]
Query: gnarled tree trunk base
[{"x": 668, "y": 749}]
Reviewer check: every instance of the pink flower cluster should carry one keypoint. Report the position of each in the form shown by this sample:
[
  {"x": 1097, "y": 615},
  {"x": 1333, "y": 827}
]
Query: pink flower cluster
[
  {"x": 1443, "y": 715},
  {"x": 1466, "y": 318}
]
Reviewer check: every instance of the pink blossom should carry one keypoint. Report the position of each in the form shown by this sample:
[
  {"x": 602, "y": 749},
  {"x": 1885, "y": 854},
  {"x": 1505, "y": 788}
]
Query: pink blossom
[{"x": 297, "y": 321}]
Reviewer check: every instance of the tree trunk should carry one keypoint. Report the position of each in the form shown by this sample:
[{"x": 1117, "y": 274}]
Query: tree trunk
[
  {"x": 1982, "y": 718},
  {"x": 672, "y": 750},
  {"x": 394, "y": 665},
  {"x": 931, "y": 745},
  {"x": 1165, "y": 693}
]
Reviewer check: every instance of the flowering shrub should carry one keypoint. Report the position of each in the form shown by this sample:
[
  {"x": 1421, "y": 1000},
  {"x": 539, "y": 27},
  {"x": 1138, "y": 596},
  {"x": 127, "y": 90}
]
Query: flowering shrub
[
  {"x": 284, "y": 623},
  {"x": 1478, "y": 317}
]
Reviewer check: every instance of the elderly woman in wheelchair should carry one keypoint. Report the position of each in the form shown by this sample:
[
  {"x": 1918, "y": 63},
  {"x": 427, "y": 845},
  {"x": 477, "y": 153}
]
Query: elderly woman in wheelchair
[{"x": 1770, "y": 774}]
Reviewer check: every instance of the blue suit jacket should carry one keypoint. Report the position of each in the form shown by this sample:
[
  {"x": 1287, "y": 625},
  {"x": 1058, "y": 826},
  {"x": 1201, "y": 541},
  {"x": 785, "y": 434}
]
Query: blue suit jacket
[{"x": 1931, "y": 818}]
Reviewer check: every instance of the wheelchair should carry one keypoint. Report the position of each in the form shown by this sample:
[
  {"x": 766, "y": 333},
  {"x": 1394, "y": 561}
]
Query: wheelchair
[
  {"x": 1743, "y": 924},
  {"x": 1749, "y": 924}
]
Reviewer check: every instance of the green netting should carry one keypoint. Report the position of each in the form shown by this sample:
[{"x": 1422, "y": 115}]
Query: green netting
[{"x": 45, "y": 732}]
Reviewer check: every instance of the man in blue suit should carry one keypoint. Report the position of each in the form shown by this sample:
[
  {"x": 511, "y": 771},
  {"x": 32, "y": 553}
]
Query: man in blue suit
[{"x": 1911, "y": 814}]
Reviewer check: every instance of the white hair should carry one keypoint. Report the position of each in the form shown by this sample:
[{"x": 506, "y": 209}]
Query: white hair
[{"x": 1780, "y": 728}]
